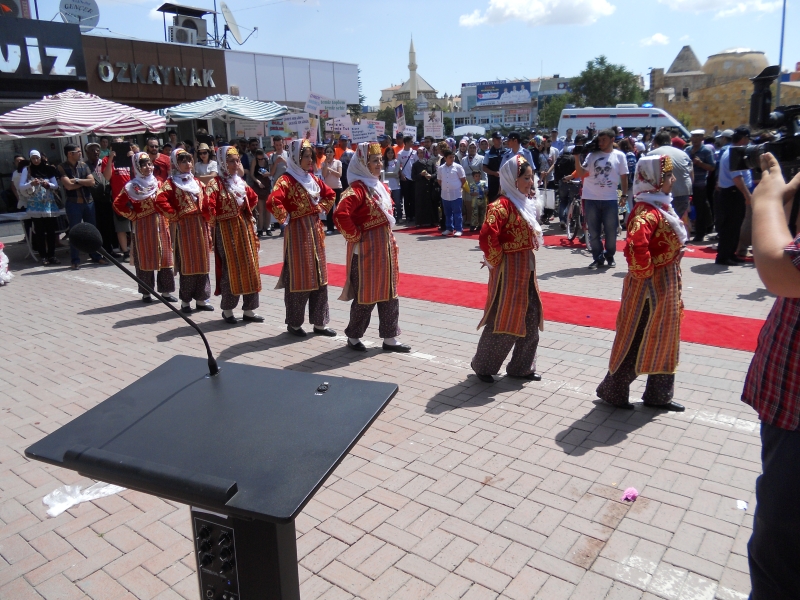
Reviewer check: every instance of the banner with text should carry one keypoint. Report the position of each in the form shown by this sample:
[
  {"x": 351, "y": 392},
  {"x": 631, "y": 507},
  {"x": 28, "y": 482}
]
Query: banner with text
[
  {"x": 331, "y": 108},
  {"x": 504, "y": 93},
  {"x": 380, "y": 126},
  {"x": 248, "y": 129},
  {"x": 364, "y": 132},
  {"x": 313, "y": 104},
  {"x": 433, "y": 124},
  {"x": 400, "y": 117}
]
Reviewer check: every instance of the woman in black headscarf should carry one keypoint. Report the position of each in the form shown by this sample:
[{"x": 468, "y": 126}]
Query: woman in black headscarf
[
  {"x": 423, "y": 178},
  {"x": 38, "y": 183}
]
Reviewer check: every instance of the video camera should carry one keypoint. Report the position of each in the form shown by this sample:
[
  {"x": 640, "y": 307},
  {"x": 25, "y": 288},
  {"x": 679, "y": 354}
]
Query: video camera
[{"x": 785, "y": 120}]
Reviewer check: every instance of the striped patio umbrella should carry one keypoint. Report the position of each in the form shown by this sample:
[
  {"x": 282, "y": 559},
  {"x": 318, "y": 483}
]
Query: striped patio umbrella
[
  {"x": 225, "y": 107},
  {"x": 73, "y": 113}
]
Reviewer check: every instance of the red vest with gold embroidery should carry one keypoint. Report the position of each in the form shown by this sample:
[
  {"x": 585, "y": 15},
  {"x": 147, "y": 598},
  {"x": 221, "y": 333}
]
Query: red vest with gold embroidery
[
  {"x": 651, "y": 241},
  {"x": 504, "y": 231}
]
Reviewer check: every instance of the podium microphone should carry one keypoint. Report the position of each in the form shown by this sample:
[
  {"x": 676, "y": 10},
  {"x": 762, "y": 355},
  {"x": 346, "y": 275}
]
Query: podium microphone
[{"x": 87, "y": 238}]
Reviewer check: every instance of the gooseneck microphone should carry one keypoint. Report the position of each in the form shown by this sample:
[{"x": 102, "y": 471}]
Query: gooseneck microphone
[{"x": 87, "y": 238}]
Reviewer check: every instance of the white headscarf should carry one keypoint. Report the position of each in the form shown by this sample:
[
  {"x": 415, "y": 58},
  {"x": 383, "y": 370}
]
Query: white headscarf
[
  {"x": 234, "y": 184},
  {"x": 184, "y": 181},
  {"x": 302, "y": 176},
  {"x": 527, "y": 207},
  {"x": 358, "y": 171},
  {"x": 647, "y": 184},
  {"x": 140, "y": 187}
]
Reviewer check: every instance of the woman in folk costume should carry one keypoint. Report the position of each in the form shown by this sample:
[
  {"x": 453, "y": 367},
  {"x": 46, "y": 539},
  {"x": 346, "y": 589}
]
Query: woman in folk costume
[
  {"x": 304, "y": 277},
  {"x": 365, "y": 219},
  {"x": 193, "y": 211},
  {"x": 649, "y": 319},
  {"x": 236, "y": 244},
  {"x": 513, "y": 313},
  {"x": 140, "y": 203}
]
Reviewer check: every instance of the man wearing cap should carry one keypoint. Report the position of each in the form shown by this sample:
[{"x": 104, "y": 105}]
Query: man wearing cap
[
  {"x": 383, "y": 140},
  {"x": 515, "y": 147},
  {"x": 398, "y": 143},
  {"x": 681, "y": 169},
  {"x": 732, "y": 201},
  {"x": 492, "y": 161},
  {"x": 703, "y": 163}
]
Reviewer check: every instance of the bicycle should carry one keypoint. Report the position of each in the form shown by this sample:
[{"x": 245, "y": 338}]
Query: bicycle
[{"x": 576, "y": 219}]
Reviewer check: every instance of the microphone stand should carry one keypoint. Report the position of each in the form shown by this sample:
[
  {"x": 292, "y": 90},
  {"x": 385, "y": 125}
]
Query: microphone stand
[{"x": 213, "y": 369}]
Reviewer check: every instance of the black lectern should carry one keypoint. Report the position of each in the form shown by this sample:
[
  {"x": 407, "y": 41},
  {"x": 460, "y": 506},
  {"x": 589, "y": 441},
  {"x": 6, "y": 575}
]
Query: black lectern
[{"x": 247, "y": 449}]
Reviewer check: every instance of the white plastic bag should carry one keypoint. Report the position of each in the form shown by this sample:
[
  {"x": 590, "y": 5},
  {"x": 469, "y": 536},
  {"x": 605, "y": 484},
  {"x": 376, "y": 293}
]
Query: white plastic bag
[{"x": 68, "y": 496}]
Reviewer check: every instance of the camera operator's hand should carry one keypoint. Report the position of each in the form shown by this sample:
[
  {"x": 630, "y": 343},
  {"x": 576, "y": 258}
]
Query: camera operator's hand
[{"x": 771, "y": 233}]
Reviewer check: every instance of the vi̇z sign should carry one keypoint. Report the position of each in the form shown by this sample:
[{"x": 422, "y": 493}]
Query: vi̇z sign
[{"x": 40, "y": 50}]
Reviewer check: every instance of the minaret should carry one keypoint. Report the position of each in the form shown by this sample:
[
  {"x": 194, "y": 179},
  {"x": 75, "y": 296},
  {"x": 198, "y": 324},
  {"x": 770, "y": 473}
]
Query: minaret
[{"x": 412, "y": 72}]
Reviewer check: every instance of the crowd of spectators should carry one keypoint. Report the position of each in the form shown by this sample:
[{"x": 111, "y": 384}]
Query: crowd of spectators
[{"x": 444, "y": 184}]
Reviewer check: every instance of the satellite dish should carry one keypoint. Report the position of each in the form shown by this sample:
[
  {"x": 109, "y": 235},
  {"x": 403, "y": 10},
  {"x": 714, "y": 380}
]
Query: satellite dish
[
  {"x": 232, "y": 26},
  {"x": 80, "y": 12}
]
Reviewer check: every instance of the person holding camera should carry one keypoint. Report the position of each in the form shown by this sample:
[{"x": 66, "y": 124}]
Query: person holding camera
[
  {"x": 604, "y": 170},
  {"x": 772, "y": 388},
  {"x": 731, "y": 203}
]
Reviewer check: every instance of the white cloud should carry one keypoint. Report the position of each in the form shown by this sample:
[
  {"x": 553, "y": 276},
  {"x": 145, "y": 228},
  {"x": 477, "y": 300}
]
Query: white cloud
[
  {"x": 724, "y": 8},
  {"x": 154, "y": 15},
  {"x": 539, "y": 12},
  {"x": 684, "y": 38},
  {"x": 657, "y": 39}
]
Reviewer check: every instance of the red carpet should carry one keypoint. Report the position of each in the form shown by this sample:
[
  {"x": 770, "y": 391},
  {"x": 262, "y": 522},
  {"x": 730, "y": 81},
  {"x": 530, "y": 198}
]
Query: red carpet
[
  {"x": 561, "y": 241},
  {"x": 737, "y": 333}
]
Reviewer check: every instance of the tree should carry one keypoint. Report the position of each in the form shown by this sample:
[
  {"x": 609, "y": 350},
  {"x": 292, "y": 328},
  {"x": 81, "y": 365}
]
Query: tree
[
  {"x": 355, "y": 109},
  {"x": 448, "y": 126},
  {"x": 387, "y": 116},
  {"x": 409, "y": 108},
  {"x": 604, "y": 84},
  {"x": 550, "y": 109}
]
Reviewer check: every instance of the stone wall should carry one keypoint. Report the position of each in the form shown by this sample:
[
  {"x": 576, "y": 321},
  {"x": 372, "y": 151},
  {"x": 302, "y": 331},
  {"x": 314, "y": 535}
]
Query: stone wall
[{"x": 726, "y": 106}]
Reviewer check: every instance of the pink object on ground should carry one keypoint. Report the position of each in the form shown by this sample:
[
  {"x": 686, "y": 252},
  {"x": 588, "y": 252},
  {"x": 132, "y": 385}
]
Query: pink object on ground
[{"x": 630, "y": 495}]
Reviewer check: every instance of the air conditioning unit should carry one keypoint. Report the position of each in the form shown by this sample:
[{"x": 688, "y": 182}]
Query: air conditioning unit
[
  {"x": 199, "y": 25},
  {"x": 182, "y": 35}
]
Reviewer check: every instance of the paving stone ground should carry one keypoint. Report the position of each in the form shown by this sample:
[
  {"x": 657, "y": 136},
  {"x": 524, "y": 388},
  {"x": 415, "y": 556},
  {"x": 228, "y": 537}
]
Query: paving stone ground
[{"x": 459, "y": 490}]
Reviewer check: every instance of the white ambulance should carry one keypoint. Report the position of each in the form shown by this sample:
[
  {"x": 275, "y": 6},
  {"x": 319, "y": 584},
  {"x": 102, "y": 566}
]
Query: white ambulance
[{"x": 627, "y": 116}]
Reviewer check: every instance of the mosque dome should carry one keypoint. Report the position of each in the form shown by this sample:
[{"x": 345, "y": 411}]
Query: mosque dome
[{"x": 735, "y": 63}]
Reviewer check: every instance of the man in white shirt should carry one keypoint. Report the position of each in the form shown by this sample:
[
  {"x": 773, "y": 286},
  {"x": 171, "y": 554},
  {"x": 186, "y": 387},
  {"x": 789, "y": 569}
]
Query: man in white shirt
[
  {"x": 605, "y": 170},
  {"x": 407, "y": 157},
  {"x": 451, "y": 178}
]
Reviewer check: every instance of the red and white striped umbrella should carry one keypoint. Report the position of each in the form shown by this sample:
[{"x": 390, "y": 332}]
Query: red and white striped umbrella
[{"x": 76, "y": 113}]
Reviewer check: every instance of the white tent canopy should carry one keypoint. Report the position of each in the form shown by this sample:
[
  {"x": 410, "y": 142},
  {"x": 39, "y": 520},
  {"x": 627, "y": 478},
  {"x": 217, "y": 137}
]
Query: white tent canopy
[
  {"x": 226, "y": 108},
  {"x": 73, "y": 113},
  {"x": 469, "y": 130}
]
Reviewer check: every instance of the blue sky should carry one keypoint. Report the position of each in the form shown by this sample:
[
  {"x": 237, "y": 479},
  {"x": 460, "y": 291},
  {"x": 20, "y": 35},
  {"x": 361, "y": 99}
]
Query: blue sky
[{"x": 478, "y": 40}]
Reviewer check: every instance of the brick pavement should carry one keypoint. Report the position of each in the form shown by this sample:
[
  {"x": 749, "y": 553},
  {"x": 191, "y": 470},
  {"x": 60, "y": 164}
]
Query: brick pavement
[{"x": 459, "y": 489}]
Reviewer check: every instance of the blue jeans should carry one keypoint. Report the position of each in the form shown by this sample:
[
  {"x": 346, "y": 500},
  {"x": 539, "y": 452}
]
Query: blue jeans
[
  {"x": 75, "y": 214},
  {"x": 602, "y": 213},
  {"x": 453, "y": 219}
]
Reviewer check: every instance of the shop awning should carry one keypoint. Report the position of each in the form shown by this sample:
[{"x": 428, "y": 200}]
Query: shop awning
[
  {"x": 225, "y": 107},
  {"x": 73, "y": 113}
]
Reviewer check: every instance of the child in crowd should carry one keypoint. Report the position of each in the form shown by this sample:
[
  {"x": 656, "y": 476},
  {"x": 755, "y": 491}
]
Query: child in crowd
[{"x": 477, "y": 190}]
